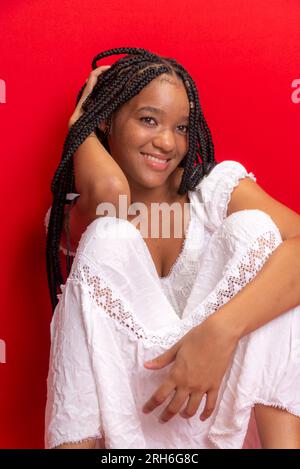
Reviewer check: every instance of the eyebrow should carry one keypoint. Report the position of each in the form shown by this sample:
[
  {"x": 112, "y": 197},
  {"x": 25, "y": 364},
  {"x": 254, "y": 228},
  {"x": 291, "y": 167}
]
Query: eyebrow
[{"x": 158, "y": 111}]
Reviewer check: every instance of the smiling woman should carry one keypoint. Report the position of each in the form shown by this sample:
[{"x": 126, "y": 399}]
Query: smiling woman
[
  {"x": 203, "y": 300},
  {"x": 148, "y": 149}
]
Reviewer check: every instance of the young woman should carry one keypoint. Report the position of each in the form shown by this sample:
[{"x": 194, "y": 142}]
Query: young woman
[{"x": 216, "y": 308}]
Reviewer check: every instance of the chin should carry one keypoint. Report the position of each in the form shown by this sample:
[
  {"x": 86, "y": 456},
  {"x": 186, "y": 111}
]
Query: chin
[
  {"x": 152, "y": 180},
  {"x": 155, "y": 181}
]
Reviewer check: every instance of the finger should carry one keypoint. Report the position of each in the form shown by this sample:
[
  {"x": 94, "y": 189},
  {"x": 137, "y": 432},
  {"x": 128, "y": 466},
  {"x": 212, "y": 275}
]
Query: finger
[
  {"x": 93, "y": 76},
  {"x": 163, "y": 359},
  {"x": 175, "y": 405},
  {"x": 211, "y": 399},
  {"x": 159, "y": 396},
  {"x": 91, "y": 81},
  {"x": 100, "y": 69},
  {"x": 192, "y": 405}
]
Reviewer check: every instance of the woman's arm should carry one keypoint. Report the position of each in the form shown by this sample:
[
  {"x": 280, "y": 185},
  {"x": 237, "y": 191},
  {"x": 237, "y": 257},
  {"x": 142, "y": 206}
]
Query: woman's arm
[
  {"x": 203, "y": 354},
  {"x": 95, "y": 170},
  {"x": 98, "y": 178}
]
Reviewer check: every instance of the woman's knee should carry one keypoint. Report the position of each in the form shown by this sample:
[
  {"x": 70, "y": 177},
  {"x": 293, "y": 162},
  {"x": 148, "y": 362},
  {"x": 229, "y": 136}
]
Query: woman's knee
[
  {"x": 108, "y": 236},
  {"x": 248, "y": 225}
]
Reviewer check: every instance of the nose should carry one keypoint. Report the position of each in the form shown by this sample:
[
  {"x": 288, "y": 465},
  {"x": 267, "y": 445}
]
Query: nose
[{"x": 165, "y": 140}]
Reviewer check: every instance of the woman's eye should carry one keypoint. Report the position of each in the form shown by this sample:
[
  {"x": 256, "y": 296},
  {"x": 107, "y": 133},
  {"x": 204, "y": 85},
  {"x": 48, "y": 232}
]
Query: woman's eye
[
  {"x": 185, "y": 127},
  {"x": 147, "y": 118},
  {"x": 151, "y": 118}
]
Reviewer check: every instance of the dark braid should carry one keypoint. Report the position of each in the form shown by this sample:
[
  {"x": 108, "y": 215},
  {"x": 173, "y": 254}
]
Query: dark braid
[{"x": 114, "y": 87}]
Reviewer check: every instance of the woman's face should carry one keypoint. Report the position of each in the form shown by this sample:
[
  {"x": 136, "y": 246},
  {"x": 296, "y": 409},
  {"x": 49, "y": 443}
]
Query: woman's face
[{"x": 137, "y": 132}]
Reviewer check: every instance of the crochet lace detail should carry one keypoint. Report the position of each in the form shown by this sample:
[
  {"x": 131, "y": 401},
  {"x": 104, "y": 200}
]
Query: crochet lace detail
[
  {"x": 117, "y": 309},
  {"x": 178, "y": 284}
]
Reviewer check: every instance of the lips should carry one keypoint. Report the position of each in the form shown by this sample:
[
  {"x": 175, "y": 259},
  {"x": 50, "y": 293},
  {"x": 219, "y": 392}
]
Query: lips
[
  {"x": 157, "y": 155},
  {"x": 155, "y": 163}
]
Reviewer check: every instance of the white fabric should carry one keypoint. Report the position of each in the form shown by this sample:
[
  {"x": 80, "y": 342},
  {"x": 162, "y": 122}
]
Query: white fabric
[{"x": 115, "y": 312}]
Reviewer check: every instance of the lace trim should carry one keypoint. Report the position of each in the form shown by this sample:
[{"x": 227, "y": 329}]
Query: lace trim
[
  {"x": 73, "y": 440},
  {"x": 243, "y": 272},
  {"x": 118, "y": 310},
  {"x": 185, "y": 274},
  {"x": 180, "y": 258},
  {"x": 178, "y": 284},
  {"x": 277, "y": 405},
  {"x": 179, "y": 287},
  {"x": 225, "y": 196}
]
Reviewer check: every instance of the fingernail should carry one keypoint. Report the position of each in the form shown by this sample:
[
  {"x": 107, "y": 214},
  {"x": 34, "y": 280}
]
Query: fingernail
[{"x": 150, "y": 363}]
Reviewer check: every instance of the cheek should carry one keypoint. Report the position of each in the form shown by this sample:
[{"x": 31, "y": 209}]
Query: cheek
[
  {"x": 124, "y": 146},
  {"x": 123, "y": 136},
  {"x": 136, "y": 136}
]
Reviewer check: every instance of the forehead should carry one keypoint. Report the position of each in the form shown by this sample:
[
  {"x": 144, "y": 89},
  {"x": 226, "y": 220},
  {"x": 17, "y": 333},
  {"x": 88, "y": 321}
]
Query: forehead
[{"x": 166, "y": 93}]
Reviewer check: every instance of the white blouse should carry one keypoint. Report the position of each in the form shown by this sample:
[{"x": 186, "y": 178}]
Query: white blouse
[
  {"x": 212, "y": 195},
  {"x": 115, "y": 312}
]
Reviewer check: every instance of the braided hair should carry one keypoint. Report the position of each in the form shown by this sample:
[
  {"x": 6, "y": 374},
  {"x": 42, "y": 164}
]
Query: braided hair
[{"x": 114, "y": 87}]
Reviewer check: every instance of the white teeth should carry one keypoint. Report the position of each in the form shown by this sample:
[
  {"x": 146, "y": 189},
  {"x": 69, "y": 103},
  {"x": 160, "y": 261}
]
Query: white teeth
[{"x": 150, "y": 157}]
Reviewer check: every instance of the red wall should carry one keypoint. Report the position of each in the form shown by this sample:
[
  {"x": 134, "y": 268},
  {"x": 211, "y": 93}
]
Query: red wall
[{"x": 244, "y": 57}]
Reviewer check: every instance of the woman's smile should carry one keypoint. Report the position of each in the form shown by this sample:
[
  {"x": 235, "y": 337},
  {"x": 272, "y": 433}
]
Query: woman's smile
[{"x": 158, "y": 164}]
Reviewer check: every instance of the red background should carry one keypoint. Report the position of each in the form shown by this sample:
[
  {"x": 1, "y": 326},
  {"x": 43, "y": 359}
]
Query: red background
[{"x": 243, "y": 56}]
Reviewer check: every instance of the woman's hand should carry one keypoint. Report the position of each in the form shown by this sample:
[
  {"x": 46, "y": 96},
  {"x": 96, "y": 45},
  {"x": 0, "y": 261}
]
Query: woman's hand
[
  {"x": 202, "y": 357},
  {"x": 90, "y": 83}
]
